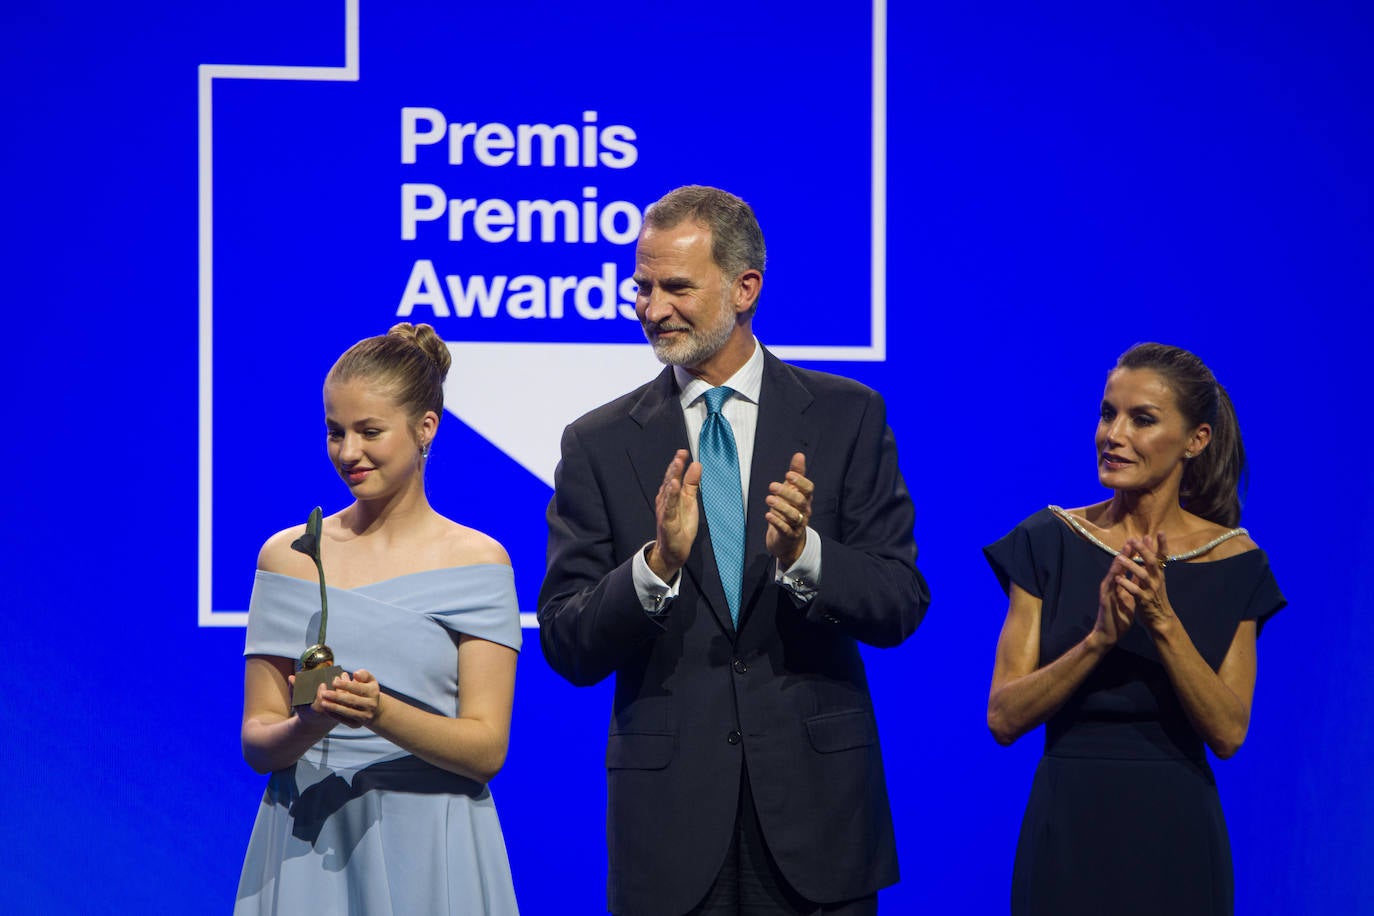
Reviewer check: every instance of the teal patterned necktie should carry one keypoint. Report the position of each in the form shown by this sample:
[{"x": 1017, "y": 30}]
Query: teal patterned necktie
[{"x": 720, "y": 495}]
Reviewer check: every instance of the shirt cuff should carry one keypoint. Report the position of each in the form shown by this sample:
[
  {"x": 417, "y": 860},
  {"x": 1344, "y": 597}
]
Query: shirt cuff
[
  {"x": 802, "y": 580},
  {"x": 655, "y": 595}
]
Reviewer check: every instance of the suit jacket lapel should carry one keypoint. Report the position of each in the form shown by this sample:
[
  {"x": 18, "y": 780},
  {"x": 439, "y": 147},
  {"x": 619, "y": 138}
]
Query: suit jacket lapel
[
  {"x": 783, "y": 429},
  {"x": 664, "y": 430}
]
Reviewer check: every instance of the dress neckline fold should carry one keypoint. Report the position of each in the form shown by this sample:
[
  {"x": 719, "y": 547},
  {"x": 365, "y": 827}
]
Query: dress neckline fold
[{"x": 376, "y": 582}]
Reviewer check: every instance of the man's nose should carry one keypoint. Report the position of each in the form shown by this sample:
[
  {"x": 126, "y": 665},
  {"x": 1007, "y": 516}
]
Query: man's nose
[{"x": 656, "y": 307}]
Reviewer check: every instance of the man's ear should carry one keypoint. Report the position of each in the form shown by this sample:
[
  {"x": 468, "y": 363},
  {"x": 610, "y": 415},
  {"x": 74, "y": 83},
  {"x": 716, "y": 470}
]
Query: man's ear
[{"x": 747, "y": 287}]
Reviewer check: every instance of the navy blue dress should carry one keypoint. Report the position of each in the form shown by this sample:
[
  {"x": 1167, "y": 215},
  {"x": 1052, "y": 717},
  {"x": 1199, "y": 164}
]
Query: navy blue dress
[{"x": 1123, "y": 816}]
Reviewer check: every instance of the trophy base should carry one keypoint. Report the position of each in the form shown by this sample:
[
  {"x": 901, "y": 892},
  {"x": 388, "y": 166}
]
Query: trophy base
[{"x": 308, "y": 682}]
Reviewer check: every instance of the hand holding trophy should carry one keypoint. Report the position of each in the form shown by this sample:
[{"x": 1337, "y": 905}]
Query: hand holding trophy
[{"x": 316, "y": 665}]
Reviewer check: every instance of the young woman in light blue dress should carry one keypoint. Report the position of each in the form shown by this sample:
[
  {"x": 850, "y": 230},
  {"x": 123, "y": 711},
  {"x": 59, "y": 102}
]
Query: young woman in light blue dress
[{"x": 377, "y": 800}]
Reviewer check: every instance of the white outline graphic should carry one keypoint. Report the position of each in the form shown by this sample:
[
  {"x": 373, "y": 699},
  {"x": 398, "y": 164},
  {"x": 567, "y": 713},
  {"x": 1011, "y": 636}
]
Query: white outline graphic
[
  {"x": 875, "y": 351},
  {"x": 208, "y": 73}
]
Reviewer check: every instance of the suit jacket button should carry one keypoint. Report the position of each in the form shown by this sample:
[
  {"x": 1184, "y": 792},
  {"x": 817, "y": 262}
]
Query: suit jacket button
[
  {"x": 733, "y": 737},
  {"x": 740, "y": 667}
]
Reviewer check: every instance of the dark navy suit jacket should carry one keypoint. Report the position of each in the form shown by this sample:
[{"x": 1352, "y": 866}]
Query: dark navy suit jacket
[{"x": 694, "y": 698}]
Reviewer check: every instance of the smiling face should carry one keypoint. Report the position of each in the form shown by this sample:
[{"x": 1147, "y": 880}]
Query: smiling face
[
  {"x": 374, "y": 445},
  {"x": 688, "y": 308},
  {"x": 1142, "y": 437}
]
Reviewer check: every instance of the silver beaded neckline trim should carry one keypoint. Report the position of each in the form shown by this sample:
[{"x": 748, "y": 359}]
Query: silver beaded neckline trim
[{"x": 1176, "y": 558}]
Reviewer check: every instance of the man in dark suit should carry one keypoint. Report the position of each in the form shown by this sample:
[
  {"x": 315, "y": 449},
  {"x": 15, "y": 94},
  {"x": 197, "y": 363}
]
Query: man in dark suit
[{"x": 729, "y": 594}]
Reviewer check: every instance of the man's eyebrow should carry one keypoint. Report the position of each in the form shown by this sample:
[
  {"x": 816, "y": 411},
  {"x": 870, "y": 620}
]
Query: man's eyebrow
[{"x": 640, "y": 280}]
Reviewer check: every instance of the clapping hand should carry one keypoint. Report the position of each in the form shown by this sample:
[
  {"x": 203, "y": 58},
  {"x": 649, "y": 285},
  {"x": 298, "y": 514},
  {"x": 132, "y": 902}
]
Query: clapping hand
[
  {"x": 789, "y": 511},
  {"x": 676, "y": 516},
  {"x": 1114, "y": 615}
]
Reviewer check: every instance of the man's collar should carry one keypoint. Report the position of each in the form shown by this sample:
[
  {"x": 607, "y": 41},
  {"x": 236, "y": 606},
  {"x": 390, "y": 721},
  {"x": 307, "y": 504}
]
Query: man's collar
[{"x": 747, "y": 382}]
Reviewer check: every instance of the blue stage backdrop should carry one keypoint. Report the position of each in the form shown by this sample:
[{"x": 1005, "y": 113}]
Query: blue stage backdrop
[{"x": 971, "y": 207}]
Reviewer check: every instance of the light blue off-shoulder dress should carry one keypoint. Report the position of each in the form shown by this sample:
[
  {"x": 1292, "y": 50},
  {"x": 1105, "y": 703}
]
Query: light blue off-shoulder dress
[{"x": 358, "y": 825}]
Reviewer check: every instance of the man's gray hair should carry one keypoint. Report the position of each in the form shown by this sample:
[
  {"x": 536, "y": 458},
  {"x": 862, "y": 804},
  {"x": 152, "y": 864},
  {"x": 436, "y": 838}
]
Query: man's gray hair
[{"x": 736, "y": 239}]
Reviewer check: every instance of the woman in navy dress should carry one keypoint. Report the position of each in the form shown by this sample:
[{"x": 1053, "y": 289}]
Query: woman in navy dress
[{"x": 1130, "y": 634}]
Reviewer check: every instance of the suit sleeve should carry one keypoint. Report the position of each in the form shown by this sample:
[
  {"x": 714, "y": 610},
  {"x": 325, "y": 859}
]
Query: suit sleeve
[
  {"x": 590, "y": 617},
  {"x": 870, "y": 586}
]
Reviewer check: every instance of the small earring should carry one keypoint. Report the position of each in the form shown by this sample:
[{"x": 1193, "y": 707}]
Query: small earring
[
  {"x": 424, "y": 450},
  {"x": 1187, "y": 454}
]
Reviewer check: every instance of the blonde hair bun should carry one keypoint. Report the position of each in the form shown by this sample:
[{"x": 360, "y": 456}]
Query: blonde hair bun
[{"x": 427, "y": 339}]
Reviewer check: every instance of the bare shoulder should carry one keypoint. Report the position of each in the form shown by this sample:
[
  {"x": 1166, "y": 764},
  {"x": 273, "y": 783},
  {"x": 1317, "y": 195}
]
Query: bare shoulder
[
  {"x": 276, "y": 555},
  {"x": 464, "y": 546}
]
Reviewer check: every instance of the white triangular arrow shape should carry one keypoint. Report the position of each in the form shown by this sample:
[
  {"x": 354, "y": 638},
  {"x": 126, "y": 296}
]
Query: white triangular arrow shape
[{"x": 520, "y": 396}]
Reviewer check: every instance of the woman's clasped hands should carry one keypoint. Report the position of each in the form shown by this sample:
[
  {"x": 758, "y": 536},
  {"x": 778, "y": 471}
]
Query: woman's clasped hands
[
  {"x": 1134, "y": 587},
  {"x": 350, "y": 700}
]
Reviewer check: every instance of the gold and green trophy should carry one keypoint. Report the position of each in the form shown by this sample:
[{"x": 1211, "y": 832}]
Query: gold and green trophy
[{"x": 316, "y": 665}]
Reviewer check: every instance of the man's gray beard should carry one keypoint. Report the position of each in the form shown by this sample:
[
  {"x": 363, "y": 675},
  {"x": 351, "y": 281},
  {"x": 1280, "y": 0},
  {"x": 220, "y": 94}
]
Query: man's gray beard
[{"x": 700, "y": 346}]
